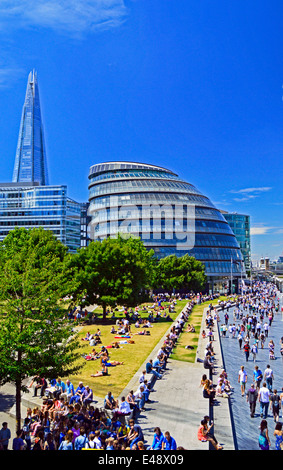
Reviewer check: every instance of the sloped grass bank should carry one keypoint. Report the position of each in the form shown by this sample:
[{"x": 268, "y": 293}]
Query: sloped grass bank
[
  {"x": 133, "y": 355},
  {"x": 180, "y": 352}
]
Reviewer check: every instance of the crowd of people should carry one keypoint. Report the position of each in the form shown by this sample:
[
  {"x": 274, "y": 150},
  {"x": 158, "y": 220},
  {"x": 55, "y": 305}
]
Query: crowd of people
[
  {"x": 248, "y": 318},
  {"x": 68, "y": 418}
]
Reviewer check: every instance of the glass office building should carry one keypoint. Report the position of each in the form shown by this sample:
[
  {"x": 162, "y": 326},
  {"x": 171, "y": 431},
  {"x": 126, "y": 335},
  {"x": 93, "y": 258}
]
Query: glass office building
[
  {"x": 29, "y": 201},
  {"x": 85, "y": 220},
  {"x": 30, "y": 205},
  {"x": 240, "y": 225},
  {"x": 170, "y": 215},
  {"x": 30, "y": 161}
]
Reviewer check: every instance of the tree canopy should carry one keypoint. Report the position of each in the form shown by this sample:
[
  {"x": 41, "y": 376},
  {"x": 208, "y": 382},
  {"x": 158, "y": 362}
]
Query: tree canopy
[
  {"x": 180, "y": 273},
  {"x": 115, "y": 271},
  {"x": 35, "y": 336}
]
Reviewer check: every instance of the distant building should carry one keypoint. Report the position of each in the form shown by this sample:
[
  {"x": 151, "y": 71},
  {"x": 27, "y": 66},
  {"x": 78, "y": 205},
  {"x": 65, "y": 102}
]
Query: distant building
[
  {"x": 30, "y": 161},
  {"x": 240, "y": 225},
  {"x": 29, "y": 201},
  {"x": 85, "y": 220},
  {"x": 30, "y": 205}
]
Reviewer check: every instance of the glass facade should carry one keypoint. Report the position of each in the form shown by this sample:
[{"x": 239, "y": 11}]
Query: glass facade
[
  {"x": 85, "y": 220},
  {"x": 30, "y": 161},
  {"x": 240, "y": 225},
  {"x": 169, "y": 214},
  {"x": 29, "y": 201},
  {"x": 30, "y": 205}
]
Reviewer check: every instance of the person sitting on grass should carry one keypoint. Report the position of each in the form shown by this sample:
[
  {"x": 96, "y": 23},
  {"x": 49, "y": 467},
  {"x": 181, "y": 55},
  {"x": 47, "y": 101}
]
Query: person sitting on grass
[
  {"x": 105, "y": 360},
  {"x": 190, "y": 329},
  {"x": 102, "y": 372}
]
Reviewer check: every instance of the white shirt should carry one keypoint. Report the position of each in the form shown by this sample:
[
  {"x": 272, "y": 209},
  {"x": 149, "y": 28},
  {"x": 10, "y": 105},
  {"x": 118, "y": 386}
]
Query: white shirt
[
  {"x": 242, "y": 375},
  {"x": 268, "y": 373},
  {"x": 124, "y": 407},
  {"x": 97, "y": 442},
  {"x": 264, "y": 394}
]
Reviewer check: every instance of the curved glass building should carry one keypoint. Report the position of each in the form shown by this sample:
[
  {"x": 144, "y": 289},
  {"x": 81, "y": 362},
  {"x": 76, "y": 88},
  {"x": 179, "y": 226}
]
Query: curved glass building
[{"x": 170, "y": 215}]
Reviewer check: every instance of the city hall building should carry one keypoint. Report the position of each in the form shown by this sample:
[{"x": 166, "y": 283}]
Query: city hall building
[{"x": 170, "y": 215}]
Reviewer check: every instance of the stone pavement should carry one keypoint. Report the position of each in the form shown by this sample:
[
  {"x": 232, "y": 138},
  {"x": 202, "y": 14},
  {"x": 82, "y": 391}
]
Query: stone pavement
[
  {"x": 246, "y": 428},
  {"x": 177, "y": 404}
]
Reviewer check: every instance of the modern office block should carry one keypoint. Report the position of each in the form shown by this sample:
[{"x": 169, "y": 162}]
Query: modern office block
[
  {"x": 30, "y": 205},
  {"x": 85, "y": 220},
  {"x": 30, "y": 162},
  {"x": 170, "y": 215},
  {"x": 240, "y": 225}
]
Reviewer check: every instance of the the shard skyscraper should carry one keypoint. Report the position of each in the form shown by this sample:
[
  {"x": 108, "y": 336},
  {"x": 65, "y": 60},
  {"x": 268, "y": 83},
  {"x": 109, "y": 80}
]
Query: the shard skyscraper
[{"x": 30, "y": 163}]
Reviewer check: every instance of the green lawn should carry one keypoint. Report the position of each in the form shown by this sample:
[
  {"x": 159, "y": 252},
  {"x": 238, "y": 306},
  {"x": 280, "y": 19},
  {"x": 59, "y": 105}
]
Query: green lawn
[
  {"x": 133, "y": 355},
  {"x": 195, "y": 319}
]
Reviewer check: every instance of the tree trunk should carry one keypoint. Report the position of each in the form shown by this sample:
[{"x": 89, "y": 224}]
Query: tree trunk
[
  {"x": 18, "y": 383},
  {"x": 104, "y": 311},
  {"x": 18, "y": 404}
]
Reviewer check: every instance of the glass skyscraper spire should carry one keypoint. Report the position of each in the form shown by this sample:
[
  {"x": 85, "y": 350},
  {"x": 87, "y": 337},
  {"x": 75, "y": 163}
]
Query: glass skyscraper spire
[{"x": 30, "y": 162}]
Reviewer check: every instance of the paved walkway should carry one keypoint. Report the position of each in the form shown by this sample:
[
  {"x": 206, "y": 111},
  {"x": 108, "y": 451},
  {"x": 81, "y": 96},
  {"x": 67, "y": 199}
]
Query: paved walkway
[
  {"x": 177, "y": 404},
  {"x": 246, "y": 428}
]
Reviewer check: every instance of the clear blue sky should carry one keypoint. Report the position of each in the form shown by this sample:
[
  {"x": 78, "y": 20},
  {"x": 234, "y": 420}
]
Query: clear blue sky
[{"x": 192, "y": 86}]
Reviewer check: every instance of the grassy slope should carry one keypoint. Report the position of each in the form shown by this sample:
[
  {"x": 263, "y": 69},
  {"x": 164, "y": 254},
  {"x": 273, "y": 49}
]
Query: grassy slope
[
  {"x": 195, "y": 319},
  {"x": 133, "y": 355}
]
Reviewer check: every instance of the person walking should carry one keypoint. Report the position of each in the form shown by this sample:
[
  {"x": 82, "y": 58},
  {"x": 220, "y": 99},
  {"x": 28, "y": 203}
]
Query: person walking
[
  {"x": 246, "y": 349},
  {"x": 254, "y": 351},
  {"x": 242, "y": 379},
  {"x": 268, "y": 377},
  {"x": 263, "y": 439},
  {"x": 240, "y": 340},
  {"x": 257, "y": 377},
  {"x": 278, "y": 433},
  {"x": 263, "y": 398},
  {"x": 275, "y": 405},
  {"x": 252, "y": 395}
]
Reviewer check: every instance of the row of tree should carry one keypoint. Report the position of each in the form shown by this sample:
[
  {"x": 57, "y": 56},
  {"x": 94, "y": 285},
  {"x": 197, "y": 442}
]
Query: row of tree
[
  {"x": 40, "y": 280},
  {"x": 122, "y": 271}
]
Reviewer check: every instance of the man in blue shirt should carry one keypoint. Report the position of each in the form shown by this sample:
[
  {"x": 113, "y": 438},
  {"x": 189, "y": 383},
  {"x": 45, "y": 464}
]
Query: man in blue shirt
[
  {"x": 69, "y": 390},
  {"x": 109, "y": 401},
  {"x": 5, "y": 435},
  {"x": 60, "y": 388},
  {"x": 81, "y": 440},
  {"x": 87, "y": 396},
  {"x": 257, "y": 377},
  {"x": 18, "y": 443},
  {"x": 78, "y": 394},
  {"x": 169, "y": 443}
]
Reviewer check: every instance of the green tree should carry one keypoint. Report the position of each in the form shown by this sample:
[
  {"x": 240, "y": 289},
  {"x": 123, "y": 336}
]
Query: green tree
[
  {"x": 35, "y": 334},
  {"x": 180, "y": 273},
  {"x": 114, "y": 271}
]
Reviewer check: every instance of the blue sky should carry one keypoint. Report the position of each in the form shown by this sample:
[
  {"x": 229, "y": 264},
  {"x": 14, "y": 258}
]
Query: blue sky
[{"x": 192, "y": 86}]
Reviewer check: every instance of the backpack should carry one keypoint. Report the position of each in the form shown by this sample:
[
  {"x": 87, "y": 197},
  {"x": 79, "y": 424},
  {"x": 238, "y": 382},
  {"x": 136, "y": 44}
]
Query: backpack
[
  {"x": 37, "y": 445},
  {"x": 275, "y": 400},
  {"x": 262, "y": 440}
]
